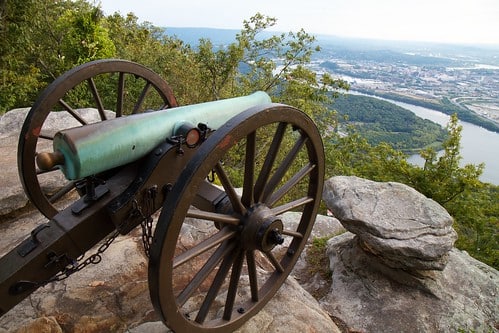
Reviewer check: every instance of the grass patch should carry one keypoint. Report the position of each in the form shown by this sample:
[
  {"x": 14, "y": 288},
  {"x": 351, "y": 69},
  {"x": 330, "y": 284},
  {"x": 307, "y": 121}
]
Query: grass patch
[{"x": 317, "y": 258}]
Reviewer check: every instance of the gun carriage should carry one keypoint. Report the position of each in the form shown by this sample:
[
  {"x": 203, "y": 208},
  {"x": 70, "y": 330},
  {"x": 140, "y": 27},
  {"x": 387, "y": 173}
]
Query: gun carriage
[{"x": 233, "y": 166}]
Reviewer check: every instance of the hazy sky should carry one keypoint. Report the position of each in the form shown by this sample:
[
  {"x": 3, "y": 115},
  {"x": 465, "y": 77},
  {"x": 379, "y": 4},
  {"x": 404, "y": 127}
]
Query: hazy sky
[{"x": 468, "y": 21}]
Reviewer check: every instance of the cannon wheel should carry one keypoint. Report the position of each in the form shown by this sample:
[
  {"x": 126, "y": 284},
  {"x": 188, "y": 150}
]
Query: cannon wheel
[
  {"x": 118, "y": 85},
  {"x": 211, "y": 270}
]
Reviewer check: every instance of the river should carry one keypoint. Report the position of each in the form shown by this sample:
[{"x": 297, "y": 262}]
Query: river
[{"x": 477, "y": 144}]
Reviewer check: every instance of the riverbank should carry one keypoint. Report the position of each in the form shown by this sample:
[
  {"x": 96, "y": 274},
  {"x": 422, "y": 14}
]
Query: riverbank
[
  {"x": 445, "y": 105},
  {"x": 478, "y": 145}
]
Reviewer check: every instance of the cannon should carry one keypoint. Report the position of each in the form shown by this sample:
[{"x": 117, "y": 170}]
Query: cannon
[{"x": 233, "y": 167}]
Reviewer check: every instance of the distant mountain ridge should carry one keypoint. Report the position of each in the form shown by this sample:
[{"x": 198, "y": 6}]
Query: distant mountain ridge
[
  {"x": 220, "y": 36},
  {"x": 192, "y": 35}
]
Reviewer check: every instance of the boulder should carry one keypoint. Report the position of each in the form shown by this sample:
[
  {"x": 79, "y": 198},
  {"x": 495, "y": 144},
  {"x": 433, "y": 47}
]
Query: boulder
[
  {"x": 464, "y": 296},
  {"x": 12, "y": 196},
  {"x": 396, "y": 270},
  {"x": 397, "y": 224}
]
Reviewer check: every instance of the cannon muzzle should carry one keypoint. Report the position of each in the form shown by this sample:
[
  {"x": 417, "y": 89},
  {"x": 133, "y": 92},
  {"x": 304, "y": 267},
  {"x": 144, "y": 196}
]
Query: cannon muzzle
[{"x": 91, "y": 149}]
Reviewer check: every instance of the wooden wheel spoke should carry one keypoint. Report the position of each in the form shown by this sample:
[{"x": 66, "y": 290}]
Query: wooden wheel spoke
[
  {"x": 72, "y": 112},
  {"x": 287, "y": 171},
  {"x": 234, "y": 280},
  {"x": 215, "y": 217},
  {"x": 142, "y": 97},
  {"x": 212, "y": 293},
  {"x": 273, "y": 260},
  {"x": 98, "y": 100},
  {"x": 63, "y": 191},
  {"x": 283, "y": 168},
  {"x": 202, "y": 247},
  {"x": 249, "y": 170},
  {"x": 292, "y": 233},
  {"x": 229, "y": 189},
  {"x": 291, "y": 205},
  {"x": 253, "y": 278},
  {"x": 223, "y": 250},
  {"x": 283, "y": 190},
  {"x": 120, "y": 94},
  {"x": 269, "y": 161}
]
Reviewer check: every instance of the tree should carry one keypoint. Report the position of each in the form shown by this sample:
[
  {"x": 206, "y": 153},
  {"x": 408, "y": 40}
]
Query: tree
[
  {"x": 19, "y": 77},
  {"x": 442, "y": 178},
  {"x": 473, "y": 204},
  {"x": 66, "y": 34},
  {"x": 43, "y": 39},
  {"x": 218, "y": 67}
]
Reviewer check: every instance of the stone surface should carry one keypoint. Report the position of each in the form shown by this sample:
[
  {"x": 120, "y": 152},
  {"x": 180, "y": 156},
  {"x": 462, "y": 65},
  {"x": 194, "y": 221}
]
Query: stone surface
[
  {"x": 302, "y": 313},
  {"x": 12, "y": 196},
  {"x": 114, "y": 295},
  {"x": 41, "y": 325},
  {"x": 291, "y": 310},
  {"x": 464, "y": 297},
  {"x": 399, "y": 225}
]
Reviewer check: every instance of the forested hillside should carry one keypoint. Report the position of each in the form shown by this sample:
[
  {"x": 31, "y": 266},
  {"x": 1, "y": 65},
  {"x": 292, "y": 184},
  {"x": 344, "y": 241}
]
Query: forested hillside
[
  {"x": 381, "y": 121},
  {"x": 40, "y": 40}
]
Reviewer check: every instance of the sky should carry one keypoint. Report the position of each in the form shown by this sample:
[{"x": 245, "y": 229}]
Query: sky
[{"x": 447, "y": 21}]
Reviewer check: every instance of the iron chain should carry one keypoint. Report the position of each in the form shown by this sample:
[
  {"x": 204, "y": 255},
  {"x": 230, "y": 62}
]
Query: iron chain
[
  {"x": 75, "y": 265},
  {"x": 147, "y": 220}
]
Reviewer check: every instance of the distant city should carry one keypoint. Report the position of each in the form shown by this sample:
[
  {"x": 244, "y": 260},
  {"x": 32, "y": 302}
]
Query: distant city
[{"x": 467, "y": 75}]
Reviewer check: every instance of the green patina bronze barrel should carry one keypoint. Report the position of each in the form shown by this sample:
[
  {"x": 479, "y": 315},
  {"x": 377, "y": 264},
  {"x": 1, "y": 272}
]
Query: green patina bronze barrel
[{"x": 94, "y": 148}]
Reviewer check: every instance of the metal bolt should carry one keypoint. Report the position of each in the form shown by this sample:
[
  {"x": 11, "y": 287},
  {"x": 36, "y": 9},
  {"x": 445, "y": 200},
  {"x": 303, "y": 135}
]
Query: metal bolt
[{"x": 275, "y": 237}]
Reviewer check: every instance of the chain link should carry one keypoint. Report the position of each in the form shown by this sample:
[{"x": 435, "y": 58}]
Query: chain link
[
  {"x": 147, "y": 220},
  {"x": 75, "y": 265},
  {"x": 146, "y": 225}
]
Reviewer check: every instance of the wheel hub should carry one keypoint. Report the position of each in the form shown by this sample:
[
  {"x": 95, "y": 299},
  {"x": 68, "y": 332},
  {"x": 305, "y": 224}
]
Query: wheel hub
[{"x": 261, "y": 229}]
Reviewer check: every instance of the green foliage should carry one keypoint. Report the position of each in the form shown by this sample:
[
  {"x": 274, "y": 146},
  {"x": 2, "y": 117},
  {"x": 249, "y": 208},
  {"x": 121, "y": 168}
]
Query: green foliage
[
  {"x": 43, "y": 39},
  {"x": 380, "y": 121},
  {"x": 82, "y": 37},
  {"x": 353, "y": 155},
  {"x": 317, "y": 258},
  {"x": 19, "y": 78},
  {"x": 473, "y": 204},
  {"x": 218, "y": 67},
  {"x": 476, "y": 216},
  {"x": 441, "y": 178}
]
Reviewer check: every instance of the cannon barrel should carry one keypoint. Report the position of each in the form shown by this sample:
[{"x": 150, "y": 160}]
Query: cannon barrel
[{"x": 94, "y": 148}]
